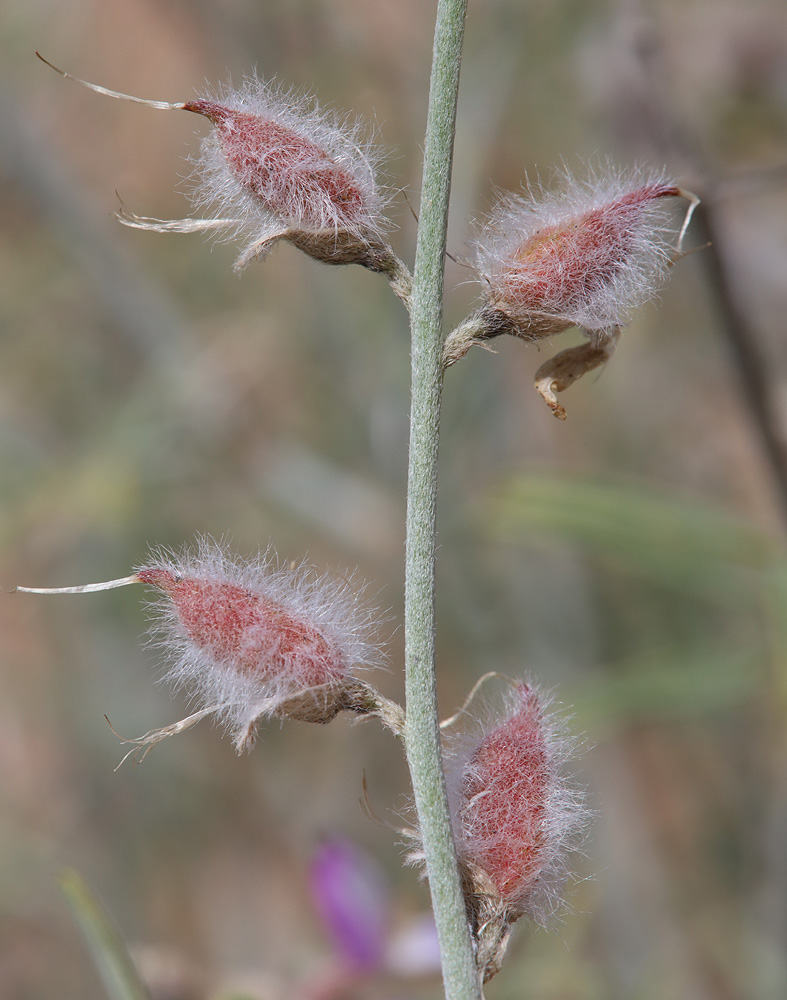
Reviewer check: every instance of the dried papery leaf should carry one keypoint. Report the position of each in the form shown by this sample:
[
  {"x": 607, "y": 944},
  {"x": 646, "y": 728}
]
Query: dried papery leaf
[{"x": 563, "y": 370}]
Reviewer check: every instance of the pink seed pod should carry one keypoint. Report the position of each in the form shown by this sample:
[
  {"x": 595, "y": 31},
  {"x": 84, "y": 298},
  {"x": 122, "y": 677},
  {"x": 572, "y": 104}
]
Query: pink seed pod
[
  {"x": 276, "y": 166},
  {"x": 586, "y": 255},
  {"x": 254, "y": 639},
  {"x": 515, "y": 819},
  {"x": 273, "y": 158}
]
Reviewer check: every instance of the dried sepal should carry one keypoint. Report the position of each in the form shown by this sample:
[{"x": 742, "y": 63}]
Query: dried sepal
[
  {"x": 142, "y": 745},
  {"x": 320, "y": 705},
  {"x": 83, "y": 588},
  {"x": 490, "y": 919}
]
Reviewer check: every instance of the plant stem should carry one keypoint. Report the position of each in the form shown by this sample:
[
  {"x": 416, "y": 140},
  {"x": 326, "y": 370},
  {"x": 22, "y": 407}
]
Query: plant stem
[{"x": 422, "y": 739}]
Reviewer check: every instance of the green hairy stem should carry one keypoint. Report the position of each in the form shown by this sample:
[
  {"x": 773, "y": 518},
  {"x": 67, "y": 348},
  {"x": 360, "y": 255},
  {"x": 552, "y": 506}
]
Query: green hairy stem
[{"x": 422, "y": 737}]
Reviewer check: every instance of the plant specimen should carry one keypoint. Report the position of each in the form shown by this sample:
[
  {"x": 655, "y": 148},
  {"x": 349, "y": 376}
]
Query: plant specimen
[{"x": 256, "y": 639}]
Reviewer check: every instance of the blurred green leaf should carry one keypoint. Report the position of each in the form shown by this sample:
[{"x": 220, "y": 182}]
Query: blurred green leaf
[
  {"x": 236, "y": 996},
  {"x": 667, "y": 685},
  {"x": 106, "y": 947},
  {"x": 673, "y": 541}
]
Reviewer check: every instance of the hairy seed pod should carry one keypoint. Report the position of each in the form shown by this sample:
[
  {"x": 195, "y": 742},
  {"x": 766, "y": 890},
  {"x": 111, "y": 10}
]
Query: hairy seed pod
[
  {"x": 251, "y": 639},
  {"x": 276, "y": 166},
  {"x": 585, "y": 254},
  {"x": 515, "y": 819}
]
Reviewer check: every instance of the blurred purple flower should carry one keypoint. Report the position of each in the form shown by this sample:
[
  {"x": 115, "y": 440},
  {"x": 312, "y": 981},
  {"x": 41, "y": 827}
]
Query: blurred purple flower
[
  {"x": 351, "y": 897},
  {"x": 414, "y": 950}
]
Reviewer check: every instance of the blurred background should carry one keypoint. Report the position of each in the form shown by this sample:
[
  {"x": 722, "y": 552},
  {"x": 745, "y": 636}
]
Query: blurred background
[{"x": 632, "y": 559}]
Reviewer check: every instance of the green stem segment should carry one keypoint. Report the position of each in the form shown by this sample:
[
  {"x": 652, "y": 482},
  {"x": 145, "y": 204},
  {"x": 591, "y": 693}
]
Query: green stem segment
[{"x": 422, "y": 737}]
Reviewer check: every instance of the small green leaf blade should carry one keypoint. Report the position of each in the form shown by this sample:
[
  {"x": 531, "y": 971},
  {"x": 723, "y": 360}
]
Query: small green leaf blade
[{"x": 109, "y": 953}]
